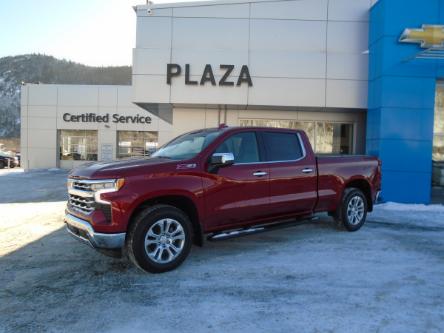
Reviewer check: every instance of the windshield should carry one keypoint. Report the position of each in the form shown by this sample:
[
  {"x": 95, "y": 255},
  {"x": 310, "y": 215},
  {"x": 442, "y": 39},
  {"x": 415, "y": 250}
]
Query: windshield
[{"x": 187, "y": 146}]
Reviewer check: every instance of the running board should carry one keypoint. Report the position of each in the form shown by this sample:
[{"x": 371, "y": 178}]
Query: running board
[{"x": 258, "y": 229}]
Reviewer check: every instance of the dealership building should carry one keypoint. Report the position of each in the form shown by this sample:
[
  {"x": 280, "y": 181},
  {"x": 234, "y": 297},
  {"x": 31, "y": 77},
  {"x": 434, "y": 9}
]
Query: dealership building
[{"x": 359, "y": 76}]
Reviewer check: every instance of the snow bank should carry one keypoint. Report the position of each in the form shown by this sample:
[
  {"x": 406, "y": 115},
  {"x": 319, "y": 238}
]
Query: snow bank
[
  {"x": 394, "y": 206},
  {"x": 408, "y": 214},
  {"x": 6, "y": 172}
]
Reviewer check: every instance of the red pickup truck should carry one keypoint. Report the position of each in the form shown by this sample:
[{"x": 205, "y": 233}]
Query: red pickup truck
[{"x": 211, "y": 182}]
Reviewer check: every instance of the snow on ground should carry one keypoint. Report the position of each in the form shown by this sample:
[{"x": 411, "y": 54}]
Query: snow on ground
[
  {"x": 386, "y": 277},
  {"x": 27, "y": 222},
  {"x": 8, "y": 172},
  {"x": 409, "y": 214},
  {"x": 413, "y": 208}
]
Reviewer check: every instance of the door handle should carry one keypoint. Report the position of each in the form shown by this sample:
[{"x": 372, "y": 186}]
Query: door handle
[
  {"x": 260, "y": 173},
  {"x": 307, "y": 170}
]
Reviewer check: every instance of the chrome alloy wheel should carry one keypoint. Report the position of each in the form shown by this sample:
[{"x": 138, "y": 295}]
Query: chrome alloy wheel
[
  {"x": 355, "y": 210},
  {"x": 164, "y": 241}
]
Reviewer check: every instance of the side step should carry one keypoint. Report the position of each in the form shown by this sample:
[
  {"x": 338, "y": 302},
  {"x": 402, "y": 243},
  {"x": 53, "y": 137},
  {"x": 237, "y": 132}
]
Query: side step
[{"x": 258, "y": 229}]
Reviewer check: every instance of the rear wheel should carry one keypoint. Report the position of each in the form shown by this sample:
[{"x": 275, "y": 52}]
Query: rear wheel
[
  {"x": 2, "y": 164},
  {"x": 160, "y": 239},
  {"x": 352, "y": 212}
]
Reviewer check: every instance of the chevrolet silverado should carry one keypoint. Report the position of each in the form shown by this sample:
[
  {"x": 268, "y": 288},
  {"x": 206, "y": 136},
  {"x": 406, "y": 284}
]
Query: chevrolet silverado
[{"x": 212, "y": 182}]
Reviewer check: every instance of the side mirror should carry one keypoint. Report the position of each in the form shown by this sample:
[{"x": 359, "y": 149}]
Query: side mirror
[{"x": 222, "y": 159}]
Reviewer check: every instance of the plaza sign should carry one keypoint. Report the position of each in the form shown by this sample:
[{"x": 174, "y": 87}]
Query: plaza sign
[{"x": 174, "y": 70}]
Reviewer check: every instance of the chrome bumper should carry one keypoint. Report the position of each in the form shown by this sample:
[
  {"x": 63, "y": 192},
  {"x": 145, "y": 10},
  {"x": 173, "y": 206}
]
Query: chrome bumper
[{"x": 84, "y": 232}]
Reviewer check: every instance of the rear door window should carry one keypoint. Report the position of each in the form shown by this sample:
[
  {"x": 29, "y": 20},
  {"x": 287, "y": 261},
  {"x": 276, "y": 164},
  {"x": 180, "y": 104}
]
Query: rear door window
[{"x": 282, "y": 146}]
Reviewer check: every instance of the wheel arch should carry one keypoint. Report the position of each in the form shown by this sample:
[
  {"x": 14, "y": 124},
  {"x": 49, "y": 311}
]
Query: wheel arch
[
  {"x": 363, "y": 185},
  {"x": 181, "y": 202}
]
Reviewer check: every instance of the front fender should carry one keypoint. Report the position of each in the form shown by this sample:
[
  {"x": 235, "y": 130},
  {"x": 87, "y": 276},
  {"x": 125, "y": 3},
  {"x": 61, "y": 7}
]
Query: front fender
[{"x": 139, "y": 190}]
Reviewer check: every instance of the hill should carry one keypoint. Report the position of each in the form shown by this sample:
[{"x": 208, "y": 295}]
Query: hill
[{"x": 38, "y": 68}]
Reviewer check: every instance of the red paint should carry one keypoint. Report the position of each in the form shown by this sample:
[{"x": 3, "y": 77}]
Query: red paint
[{"x": 232, "y": 197}]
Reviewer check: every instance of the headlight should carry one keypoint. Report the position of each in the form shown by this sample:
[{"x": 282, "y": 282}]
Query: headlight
[
  {"x": 108, "y": 185},
  {"x": 97, "y": 186}
]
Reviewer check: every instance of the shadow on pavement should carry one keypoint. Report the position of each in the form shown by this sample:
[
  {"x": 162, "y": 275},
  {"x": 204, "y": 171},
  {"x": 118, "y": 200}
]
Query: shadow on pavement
[
  {"x": 57, "y": 283},
  {"x": 33, "y": 186}
]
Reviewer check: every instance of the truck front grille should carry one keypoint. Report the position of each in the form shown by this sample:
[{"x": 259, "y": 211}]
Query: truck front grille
[
  {"x": 82, "y": 199},
  {"x": 83, "y": 204},
  {"x": 82, "y": 186}
]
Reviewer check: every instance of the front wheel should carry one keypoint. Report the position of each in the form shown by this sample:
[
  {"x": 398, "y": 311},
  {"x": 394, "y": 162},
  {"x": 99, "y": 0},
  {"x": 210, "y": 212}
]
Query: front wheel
[
  {"x": 160, "y": 239},
  {"x": 352, "y": 212}
]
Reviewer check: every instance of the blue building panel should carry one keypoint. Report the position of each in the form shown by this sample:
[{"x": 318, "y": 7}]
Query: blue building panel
[
  {"x": 401, "y": 98},
  {"x": 407, "y": 92},
  {"x": 373, "y": 147},
  {"x": 400, "y": 14},
  {"x": 406, "y": 187},
  {"x": 416, "y": 124},
  {"x": 376, "y": 28},
  {"x": 406, "y": 155},
  {"x": 393, "y": 58},
  {"x": 441, "y": 11},
  {"x": 373, "y": 121}
]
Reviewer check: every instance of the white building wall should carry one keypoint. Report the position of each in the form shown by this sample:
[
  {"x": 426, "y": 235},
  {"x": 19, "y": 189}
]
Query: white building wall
[
  {"x": 42, "y": 109},
  {"x": 300, "y": 52}
]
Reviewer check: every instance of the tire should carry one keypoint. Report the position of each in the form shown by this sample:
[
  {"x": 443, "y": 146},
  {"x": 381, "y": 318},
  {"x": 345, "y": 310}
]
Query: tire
[
  {"x": 153, "y": 247},
  {"x": 352, "y": 212},
  {"x": 2, "y": 165}
]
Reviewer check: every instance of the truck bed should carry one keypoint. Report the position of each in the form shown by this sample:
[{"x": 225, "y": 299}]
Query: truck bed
[{"x": 337, "y": 171}]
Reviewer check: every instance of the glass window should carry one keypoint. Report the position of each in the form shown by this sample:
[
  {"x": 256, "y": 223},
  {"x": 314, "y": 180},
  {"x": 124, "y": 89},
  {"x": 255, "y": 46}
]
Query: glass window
[
  {"x": 243, "y": 146},
  {"x": 136, "y": 143},
  {"x": 307, "y": 126},
  {"x": 78, "y": 145},
  {"x": 438, "y": 128},
  {"x": 282, "y": 146},
  {"x": 438, "y": 148},
  {"x": 334, "y": 138},
  {"x": 324, "y": 137},
  {"x": 188, "y": 145}
]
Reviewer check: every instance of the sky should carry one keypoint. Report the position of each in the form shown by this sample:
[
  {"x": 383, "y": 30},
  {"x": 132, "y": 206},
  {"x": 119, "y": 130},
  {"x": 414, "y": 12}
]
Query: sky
[{"x": 91, "y": 32}]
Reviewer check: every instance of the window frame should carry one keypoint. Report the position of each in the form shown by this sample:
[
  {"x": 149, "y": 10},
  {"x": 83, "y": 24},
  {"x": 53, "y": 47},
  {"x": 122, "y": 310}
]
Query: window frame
[
  {"x": 246, "y": 122},
  {"x": 260, "y": 149},
  {"x": 85, "y": 135},
  {"x": 298, "y": 137},
  {"x": 132, "y": 156}
]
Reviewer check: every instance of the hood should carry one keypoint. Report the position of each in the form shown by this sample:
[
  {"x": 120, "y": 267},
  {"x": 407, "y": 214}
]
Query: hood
[{"x": 117, "y": 169}]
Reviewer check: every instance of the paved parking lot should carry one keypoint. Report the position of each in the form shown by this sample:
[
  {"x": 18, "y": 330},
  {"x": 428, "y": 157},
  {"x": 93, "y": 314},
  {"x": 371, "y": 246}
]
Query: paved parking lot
[{"x": 388, "y": 277}]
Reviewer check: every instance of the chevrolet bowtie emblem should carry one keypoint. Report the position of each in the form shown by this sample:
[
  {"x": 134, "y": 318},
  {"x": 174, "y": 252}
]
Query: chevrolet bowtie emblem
[{"x": 429, "y": 36}]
